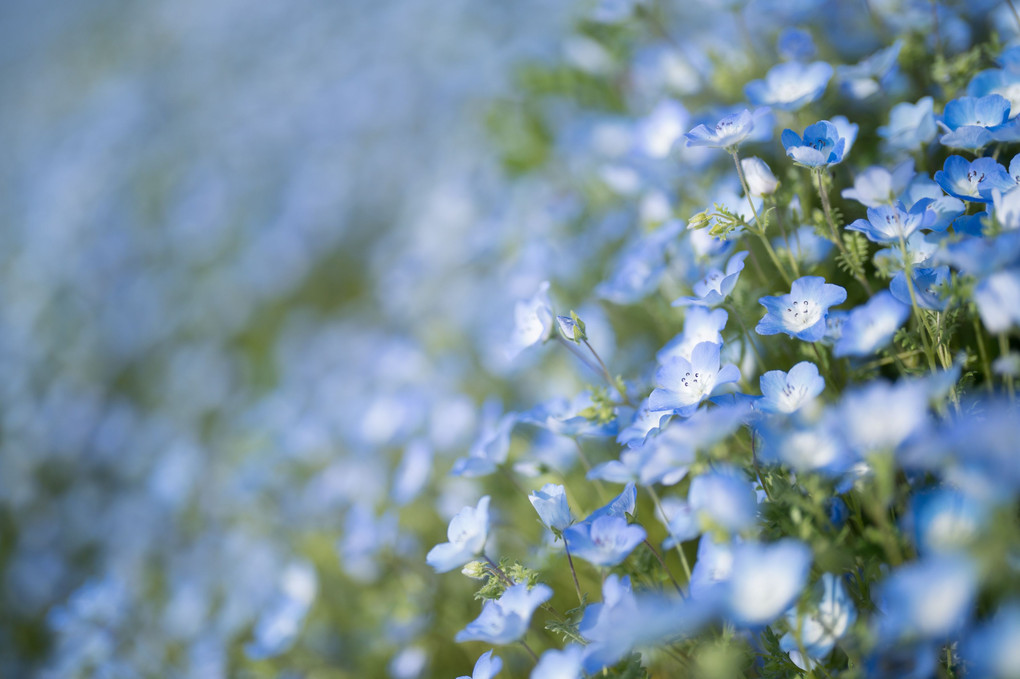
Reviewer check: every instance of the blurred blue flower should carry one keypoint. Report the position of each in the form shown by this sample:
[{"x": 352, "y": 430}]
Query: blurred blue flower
[
  {"x": 557, "y": 664},
  {"x": 801, "y": 313},
  {"x": 701, "y": 324},
  {"x": 871, "y": 326},
  {"x": 819, "y": 630},
  {"x": 761, "y": 181},
  {"x": 279, "y": 625},
  {"x": 506, "y": 619},
  {"x": 533, "y": 321},
  {"x": 878, "y": 186},
  {"x": 908, "y": 607},
  {"x": 764, "y": 580},
  {"x": 795, "y": 44},
  {"x": 946, "y": 520},
  {"x": 990, "y": 650},
  {"x": 910, "y": 125},
  {"x": 725, "y": 134},
  {"x": 604, "y": 541},
  {"x": 929, "y": 285},
  {"x": 790, "y": 86},
  {"x": 486, "y": 667},
  {"x": 466, "y": 533},
  {"x": 716, "y": 286}
]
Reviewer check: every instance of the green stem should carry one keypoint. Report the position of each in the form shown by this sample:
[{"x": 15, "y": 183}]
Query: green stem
[
  {"x": 759, "y": 228},
  {"x": 923, "y": 330},
  {"x": 983, "y": 352},
  {"x": 827, "y": 209},
  {"x": 577, "y": 585},
  {"x": 679, "y": 546},
  {"x": 1003, "y": 350}
]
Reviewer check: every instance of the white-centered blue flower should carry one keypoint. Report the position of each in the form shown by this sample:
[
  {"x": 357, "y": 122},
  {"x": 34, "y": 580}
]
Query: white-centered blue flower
[
  {"x": 765, "y": 579},
  {"x": 818, "y": 631},
  {"x": 557, "y": 664},
  {"x": 877, "y": 186},
  {"x": 606, "y": 541},
  {"x": 823, "y": 144},
  {"x": 929, "y": 599},
  {"x": 506, "y": 619},
  {"x": 783, "y": 392},
  {"x": 682, "y": 384},
  {"x": 910, "y": 125},
  {"x": 725, "y": 134},
  {"x": 973, "y": 180},
  {"x": 466, "y": 533},
  {"x": 801, "y": 313}
]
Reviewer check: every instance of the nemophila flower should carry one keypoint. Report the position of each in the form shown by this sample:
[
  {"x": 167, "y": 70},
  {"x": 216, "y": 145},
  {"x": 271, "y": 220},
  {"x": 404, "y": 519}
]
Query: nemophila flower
[
  {"x": 551, "y": 504},
  {"x": 796, "y": 44},
  {"x": 638, "y": 270},
  {"x": 364, "y": 537},
  {"x": 938, "y": 214},
  {"x": 790, "y": 86},
  {"x": 907, "y": 605},
  {"x": 881, "y": 416},
  {"x": 716, "y": 286},
  {"x": 569, "y": 417},
  {"x": 801, "y": 313},
  {"x": 878, "y": 186},
  {"x": 280, "y": 623},
  {"x": 656, "y": 134},
  {"x": 647, "y": 464},
  {"x": 491, "y": 447},
  {"x": 806, "y": 444},
  {"x": 1006, "y": 208},
  {"x": 723, "y": 498},
  {"x": 889, "y": 223},
  {"x": 929, "y": 287},
  {"x": 990, "y": 650},
  {"x": 682, "y": 384},
  {"x": 970, "y": 121},
  {"x": 486, "y": 667},
  {"x": 920, "y": 250},
  {"x": 783, "y": 392},
  {"x": 1004, "y": 82},
  {"x": 821, "y": 145},
  {"x": 533, "y": 321},
  {"x": 506, "y": 619},
  {"x": 846, "y": 130},
  {"x": 725, "y": 134},
  {"x": 917, "y": 660},
  {"x": 701, "y": 324},
  {"x": 765, "y": 579},
  {"x": 818, "y": 631},
  {"x": 806, "y": 246},
  {"x": 946, "y": 520},
  {"x": 973, "y": 180},
  {"x": 466, "y": 533},
  {"x": 871, "y": 326},
  {"x": 870, "y": 75},
  {"x": 910, "y": 125},
  {"x": 606, "y": 541},
  {"x": 557, "y": 664},
  {"x": 760, "y": 179},
  {"x": 998, "y": 300},
  {"x": 644, "y": 423},
  {"x": 413, "y": 472}
]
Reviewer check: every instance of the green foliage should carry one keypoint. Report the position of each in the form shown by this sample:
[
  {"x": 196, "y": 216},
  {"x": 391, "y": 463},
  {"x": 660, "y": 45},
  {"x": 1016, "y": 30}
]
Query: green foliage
[{"x": 852, "y": 262}]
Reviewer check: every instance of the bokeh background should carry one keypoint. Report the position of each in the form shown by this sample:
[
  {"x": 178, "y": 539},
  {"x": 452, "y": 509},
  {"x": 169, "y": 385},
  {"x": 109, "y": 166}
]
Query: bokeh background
[{"x": 235, "y": 244}]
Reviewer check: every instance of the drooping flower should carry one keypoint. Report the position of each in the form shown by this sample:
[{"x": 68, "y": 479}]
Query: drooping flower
[
  {"x": 466, "y": 533},
  {"x": 551, "y": 504},
  {"x": 801, "y": 313},
  {"x": 557, "y": 664},
  {"x": 533, "y": 321}
]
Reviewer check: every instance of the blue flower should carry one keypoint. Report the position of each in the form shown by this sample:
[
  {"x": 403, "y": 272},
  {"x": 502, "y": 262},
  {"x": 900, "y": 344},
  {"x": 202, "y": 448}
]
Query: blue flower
[
  {"x": 491, "y": 447},
  {"x": 910, "y": 125},
  {"x": 727, "y": 133},
  {"x": 787, "y": 392},
  {"x": 871, "y": 326},
  {"x": 998, "y": 300},
  {"x": 801, "y": 313},
  {"x": 466, "y": 533},
  {"x": 822, "y": 628},
  {"x": 761, "y": 181},
  {"x": 506, "y": 619},
  {"x": 557, "y": 664},
  {"x": 821, "y": 146},
  {"x": 533, "y": 321},
  {"x": 681, "y": 384},
  {"x": 870, "y": 75},
  {"x": 1007, "y": 208},
  {"x": 280, "y": 623},
  {"x": 878, "y": 186},
  {"x": 973, "y": 181},
  {"x": 657, "y": 134},
  {"x": 790, "y": 86},
  {"x": 889, "y": 223},
  {"x": 606, "y": 541},
  {"x": 486, "y": 667},
  {"x": 551, "y": 504},
  {"x": 807, "y": 247},
  {"x": 805, "y": 444},
  {"x": 795, "y": 44},
  {"x": 725, "y": 498},
  {"x": 929, "y": 599},
  {"x": 701, "y": 324},
  {"x": 990, "y": 649},
  {"x": 971, "y": 121},
  {"x": 946, "y": 520},
  {"x": 929, "y": 287},
  {"x": 647, "y": 464},
  {"x": 765, "y": 579},
  {"x": 716, "y": 286}
]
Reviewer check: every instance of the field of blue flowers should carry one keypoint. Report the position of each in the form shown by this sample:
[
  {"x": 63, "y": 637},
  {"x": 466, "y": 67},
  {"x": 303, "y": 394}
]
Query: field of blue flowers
[{"x": 626, "y": 339}]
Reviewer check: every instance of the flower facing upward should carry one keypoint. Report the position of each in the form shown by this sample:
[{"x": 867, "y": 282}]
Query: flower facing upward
[
  {"x": 801, "y": 314},
  {"x": 822, "y": 145}
]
